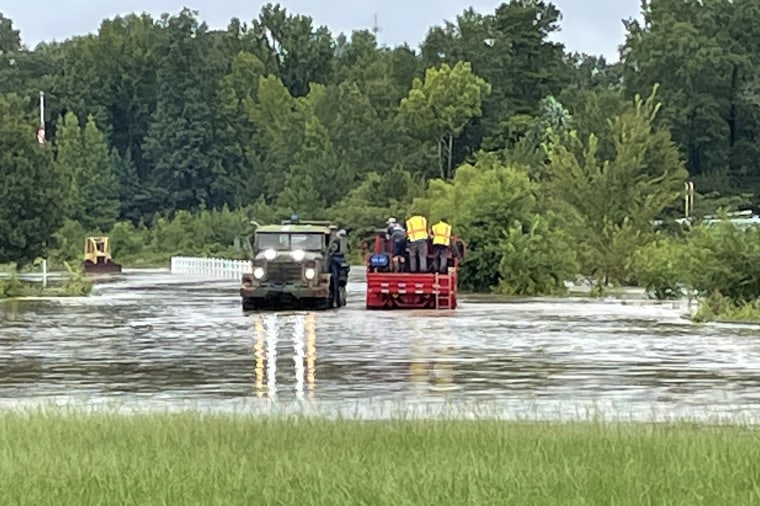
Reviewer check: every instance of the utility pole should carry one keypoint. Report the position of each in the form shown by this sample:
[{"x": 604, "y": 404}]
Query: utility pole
[
  {"x": 375, "y": 27},
  {"x": 41, "y": 141},
  {"x": 41, "y": 128}
]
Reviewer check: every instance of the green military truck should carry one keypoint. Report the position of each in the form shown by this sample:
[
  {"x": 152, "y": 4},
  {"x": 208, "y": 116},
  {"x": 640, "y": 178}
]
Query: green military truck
[{"x": 291, "y": 268}]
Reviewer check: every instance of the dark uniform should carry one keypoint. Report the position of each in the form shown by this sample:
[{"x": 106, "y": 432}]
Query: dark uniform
[{"x": 337, "y": 256}]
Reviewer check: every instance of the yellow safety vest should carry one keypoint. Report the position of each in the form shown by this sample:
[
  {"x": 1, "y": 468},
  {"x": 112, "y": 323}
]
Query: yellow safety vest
[
  {"x": 416, "y": 228},
  {"x": 442, "y": 233}
]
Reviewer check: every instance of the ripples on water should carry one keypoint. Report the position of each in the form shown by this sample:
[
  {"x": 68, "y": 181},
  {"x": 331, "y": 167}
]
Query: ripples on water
[{"x": 154, "y": 339}]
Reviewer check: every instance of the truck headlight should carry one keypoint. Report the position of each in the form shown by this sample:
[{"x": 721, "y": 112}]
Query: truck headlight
[
  {"x": 258, "y": 272},
  {"x": 298, "y": 255},
  {"x": 270, "y": 254},
  {"x": 310, "y": 273}
]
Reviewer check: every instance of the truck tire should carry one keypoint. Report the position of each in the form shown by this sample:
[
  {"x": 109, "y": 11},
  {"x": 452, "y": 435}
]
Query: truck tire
[{"x": 249, "y": 305}]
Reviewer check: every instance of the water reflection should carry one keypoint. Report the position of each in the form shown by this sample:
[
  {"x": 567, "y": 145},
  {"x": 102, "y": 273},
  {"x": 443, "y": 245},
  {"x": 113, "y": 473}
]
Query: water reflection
[
  {"x": 311, "y": 352},
  {"x": 258, "y": 357},
  {"x": 265, "y": 342},
  {"x": 432, "y": 365}
]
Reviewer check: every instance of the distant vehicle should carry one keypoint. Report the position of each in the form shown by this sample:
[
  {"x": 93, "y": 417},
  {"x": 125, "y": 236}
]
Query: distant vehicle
[
  {"x": 97, "y": 256},
  {"x": 290, "y": 268},
  {"x": 410, "y": 290}
]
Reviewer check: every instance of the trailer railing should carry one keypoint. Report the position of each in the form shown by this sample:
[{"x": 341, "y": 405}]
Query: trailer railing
[{"x": 210, "y": 267}]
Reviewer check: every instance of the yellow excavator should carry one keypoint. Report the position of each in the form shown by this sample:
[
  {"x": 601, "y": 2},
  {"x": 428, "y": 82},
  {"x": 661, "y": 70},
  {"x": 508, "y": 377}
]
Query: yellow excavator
[{"x": 97, "y": 257}]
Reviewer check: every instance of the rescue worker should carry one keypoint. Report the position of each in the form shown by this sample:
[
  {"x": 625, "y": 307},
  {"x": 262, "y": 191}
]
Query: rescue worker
[
  {"x": 396, "y": 234},
  {"x": 336, "y": 252},
  {"x": 417, "y": 235},
  {"x": 441, "y": 245}
]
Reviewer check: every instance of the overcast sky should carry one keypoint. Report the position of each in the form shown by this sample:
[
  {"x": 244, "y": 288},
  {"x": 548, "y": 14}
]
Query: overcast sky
[{"x": 591, "y": 26}]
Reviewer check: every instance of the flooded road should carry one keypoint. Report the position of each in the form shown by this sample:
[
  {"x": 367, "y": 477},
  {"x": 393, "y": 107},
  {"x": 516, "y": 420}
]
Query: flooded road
[{"x": 150, "y": 339}]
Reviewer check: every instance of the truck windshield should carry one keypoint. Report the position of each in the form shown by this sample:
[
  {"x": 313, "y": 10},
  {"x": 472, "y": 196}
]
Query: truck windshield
[{"x": 290, "y": 241}]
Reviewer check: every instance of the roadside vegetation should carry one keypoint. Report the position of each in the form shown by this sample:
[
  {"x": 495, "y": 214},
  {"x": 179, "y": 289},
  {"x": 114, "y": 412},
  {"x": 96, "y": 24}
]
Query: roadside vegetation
[
  {"x": 553, "y": 171},
  {"x": 68, "y": 458},
  {"x": 75, "y": 284}
]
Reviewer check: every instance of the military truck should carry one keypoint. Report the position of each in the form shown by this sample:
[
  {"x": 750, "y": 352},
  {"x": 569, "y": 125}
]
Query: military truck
[{"x": 290, "y": 268}]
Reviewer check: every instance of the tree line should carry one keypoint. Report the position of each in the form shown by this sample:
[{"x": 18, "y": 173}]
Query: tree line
[{"x": 550, "y": 163}]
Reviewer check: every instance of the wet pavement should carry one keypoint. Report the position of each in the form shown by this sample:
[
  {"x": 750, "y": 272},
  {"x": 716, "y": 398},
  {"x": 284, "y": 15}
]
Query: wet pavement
[{"x": 148, "y": 339}]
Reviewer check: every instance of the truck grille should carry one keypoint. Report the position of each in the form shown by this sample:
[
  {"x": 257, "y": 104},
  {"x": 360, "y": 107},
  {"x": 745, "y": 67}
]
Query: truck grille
[{"x": 284, "y": 273}]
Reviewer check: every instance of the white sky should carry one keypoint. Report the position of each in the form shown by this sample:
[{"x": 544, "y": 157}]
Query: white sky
[{"x": 591, "y": 26}]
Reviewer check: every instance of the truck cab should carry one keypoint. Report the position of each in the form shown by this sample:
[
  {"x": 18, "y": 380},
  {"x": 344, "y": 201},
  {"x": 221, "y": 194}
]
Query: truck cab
[{"x": 290, "y": 268}]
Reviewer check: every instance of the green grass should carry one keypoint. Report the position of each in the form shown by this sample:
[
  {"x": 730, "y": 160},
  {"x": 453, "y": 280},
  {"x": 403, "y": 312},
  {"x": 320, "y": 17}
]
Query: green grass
[{"x": 54, "y": 458}]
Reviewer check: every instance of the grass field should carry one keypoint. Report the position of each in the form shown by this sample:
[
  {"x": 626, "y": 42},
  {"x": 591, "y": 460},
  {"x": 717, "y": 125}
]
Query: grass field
[{"x": 62, "y": 459}]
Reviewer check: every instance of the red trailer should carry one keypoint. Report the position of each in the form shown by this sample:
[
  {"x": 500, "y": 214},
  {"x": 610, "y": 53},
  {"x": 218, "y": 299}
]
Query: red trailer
[{"x": 410, "y": 290}]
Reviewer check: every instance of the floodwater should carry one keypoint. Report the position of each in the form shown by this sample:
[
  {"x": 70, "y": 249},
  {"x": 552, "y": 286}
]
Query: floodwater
[{"x": 147, "y": 339}]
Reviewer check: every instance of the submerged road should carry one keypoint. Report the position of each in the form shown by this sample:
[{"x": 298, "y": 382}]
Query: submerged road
[{"x": 149, "y": 339}]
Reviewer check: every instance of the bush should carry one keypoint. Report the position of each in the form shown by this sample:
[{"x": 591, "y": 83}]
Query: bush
[
  {"x": 719, "y": 307},
  {"x": 10, "y": 288},
  {"x": 536, "y": 259},
  {"x": 660, "y": 267},
  {"x": 724, "y": 259},
  {"x": 127, "y": 240}
]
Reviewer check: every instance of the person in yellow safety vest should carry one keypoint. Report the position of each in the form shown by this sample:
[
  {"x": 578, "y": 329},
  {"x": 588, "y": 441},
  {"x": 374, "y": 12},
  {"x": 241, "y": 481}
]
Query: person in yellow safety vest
[
  {"x": 417, "y": 234},
  {"x": 441, "y": 245}
]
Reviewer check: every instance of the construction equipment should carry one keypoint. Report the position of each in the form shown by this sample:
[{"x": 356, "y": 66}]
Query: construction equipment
[
  {"x": 97, "y": 256},
  {"x": 291, "y": 268},
  {"x": 411, "y": 290}
]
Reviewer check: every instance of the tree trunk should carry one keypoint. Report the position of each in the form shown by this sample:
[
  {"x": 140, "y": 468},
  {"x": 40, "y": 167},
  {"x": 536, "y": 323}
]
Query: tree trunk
[
  {"x": 732, "y": 107},
  {"x": 440, "y": 158},
  {"x": 451, "y": 142}
]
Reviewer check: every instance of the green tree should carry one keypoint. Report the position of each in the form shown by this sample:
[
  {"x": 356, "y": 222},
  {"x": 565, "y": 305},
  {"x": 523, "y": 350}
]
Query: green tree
[
  {"x": 292, "y": 48},
  {"x": 490, "y": 205},
  {"x": 439, "y": 107},
  {"x": 528, "y": 137},
  {"x": 537, "y": 258},
  {"x": 355, "y": 130},
  {"x": 660, "y": 267},
  {"x": 236, "y": 95},
  {"x": 317, "y": 178},
  {"x": 703, "y": 55},
  {"x": 10, "y": 38},
  {"x": 83, "y": 158},
  {"x": 509, "y": 48},
  {"x": 69, "y": 153},
  {"x": 611, "y": 202},
  {"x": 180, "y": 145},
  {"x": 31, "y": 207},
  {"x": 129, "y": 184},
  {"x": 97, "y": 181},
  {"x": 279, "y": 120}
]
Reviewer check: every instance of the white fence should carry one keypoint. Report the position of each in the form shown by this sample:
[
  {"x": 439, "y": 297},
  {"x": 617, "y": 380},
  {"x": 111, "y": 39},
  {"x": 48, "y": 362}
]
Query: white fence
[
  {"x": 210, "y": 267},
  {"x": 36, "y": 277}
]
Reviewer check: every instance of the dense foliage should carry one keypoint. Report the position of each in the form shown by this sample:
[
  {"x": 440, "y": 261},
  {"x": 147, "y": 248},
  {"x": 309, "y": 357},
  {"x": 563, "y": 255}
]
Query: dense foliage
[{"x": 172, "y": 137}]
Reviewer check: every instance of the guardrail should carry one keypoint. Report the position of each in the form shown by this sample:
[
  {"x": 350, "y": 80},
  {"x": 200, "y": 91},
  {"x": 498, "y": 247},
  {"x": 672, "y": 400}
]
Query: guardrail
[{"x": 210, "y": 267}]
